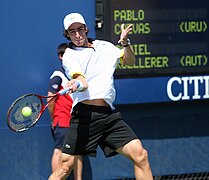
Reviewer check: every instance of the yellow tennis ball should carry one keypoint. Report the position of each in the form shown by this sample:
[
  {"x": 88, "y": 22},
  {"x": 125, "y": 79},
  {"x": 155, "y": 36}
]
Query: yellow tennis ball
[{"x": 26, "y": 111}]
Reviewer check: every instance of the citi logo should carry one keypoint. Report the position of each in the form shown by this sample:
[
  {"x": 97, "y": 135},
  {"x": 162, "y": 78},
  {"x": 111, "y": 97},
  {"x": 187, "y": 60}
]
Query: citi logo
[{"x": 186, "y": 88}]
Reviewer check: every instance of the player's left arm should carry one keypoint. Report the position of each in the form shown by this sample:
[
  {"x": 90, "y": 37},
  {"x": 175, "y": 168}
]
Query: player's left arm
[{"x": 129, "y": 56}]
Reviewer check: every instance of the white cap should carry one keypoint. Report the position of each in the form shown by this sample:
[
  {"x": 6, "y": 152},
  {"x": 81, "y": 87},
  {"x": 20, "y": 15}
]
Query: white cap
[{"x": 73, "y": 18}]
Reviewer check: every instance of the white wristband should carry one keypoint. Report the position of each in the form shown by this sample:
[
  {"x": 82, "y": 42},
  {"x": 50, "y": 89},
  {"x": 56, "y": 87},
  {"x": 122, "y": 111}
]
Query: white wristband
[{"x": 79, "y": 84}]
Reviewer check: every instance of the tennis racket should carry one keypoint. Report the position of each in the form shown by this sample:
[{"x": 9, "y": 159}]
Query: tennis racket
[{"x": 17, "y": 122}]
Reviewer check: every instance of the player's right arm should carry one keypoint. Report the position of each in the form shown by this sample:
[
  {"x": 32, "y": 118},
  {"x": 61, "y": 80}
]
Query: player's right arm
[{"x": 77, "y": 79}]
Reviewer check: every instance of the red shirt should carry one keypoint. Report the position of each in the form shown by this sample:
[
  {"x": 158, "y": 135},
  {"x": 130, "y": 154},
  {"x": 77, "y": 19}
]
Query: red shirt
[
  {"x": 63, "y": 104},
  {"x": 62, "y": 111}
]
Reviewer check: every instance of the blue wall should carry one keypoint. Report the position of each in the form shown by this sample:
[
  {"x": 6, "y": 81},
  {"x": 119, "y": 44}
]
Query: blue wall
[{"x": 30, "y": 32}]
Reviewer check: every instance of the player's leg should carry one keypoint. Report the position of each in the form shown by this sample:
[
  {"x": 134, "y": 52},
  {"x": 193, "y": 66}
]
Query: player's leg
[
  {"x": 134, "y": 151},
  {"x": 55, "y": 158},
  {"x": 78, "y": 167},
  {"x": 58, "y": 141},
  {"x": 89, "y": 131},
  {"x": 64, "y": 168},
  {"x": 58, "y": 134},
  {"x": 121, "y": 137}
]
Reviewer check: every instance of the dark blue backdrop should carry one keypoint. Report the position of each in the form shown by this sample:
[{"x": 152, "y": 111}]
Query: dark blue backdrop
[{"x": 175, "y": 134}]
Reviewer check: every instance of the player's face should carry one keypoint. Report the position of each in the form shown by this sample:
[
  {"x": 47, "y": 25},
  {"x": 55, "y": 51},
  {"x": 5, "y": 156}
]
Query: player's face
[{"x": 77, "y": 34}]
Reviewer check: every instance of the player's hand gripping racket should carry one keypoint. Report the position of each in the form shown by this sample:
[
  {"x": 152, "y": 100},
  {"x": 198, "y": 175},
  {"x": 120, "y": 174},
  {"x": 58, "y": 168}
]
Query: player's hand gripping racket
[{"x": 19, "y": 121}]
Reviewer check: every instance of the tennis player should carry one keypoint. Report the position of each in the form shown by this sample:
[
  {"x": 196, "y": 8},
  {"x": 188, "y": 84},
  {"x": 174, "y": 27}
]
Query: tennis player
[{"x": 95, "y": 121}]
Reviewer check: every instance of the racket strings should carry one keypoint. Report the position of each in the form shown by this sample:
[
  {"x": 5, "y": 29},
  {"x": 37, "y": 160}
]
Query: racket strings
[{"x": 16, "y": 120}]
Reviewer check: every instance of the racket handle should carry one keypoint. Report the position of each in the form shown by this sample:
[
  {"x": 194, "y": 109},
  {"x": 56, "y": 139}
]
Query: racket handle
[{"x": 65, "y": 90}]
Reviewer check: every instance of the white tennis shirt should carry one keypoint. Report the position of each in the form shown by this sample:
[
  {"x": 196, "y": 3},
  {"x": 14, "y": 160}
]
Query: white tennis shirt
[{"x": 97, "y": 65}]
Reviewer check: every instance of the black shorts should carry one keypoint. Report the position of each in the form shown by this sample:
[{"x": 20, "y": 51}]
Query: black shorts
[
  {"x": 58, "y": 134},
  {"x": 95, "y": 125}
]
